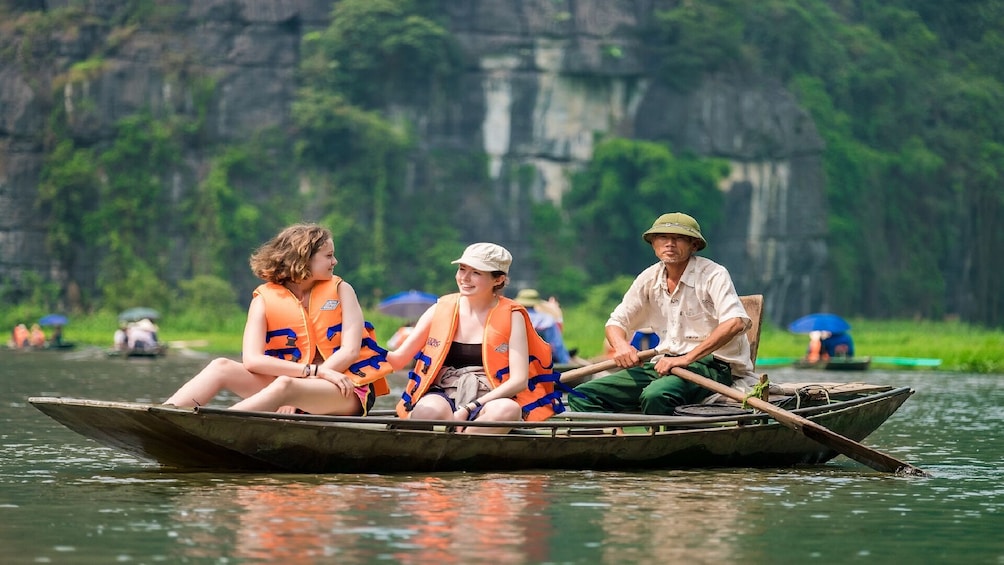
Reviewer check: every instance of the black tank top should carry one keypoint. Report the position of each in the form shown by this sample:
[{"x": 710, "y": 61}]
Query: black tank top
[{"x": 463, "y": 355}]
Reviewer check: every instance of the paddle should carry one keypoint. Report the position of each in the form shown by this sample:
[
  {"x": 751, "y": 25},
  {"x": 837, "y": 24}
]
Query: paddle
[
  {"x": 846, "y": 446},
  {"x": 574, "y": 374}
]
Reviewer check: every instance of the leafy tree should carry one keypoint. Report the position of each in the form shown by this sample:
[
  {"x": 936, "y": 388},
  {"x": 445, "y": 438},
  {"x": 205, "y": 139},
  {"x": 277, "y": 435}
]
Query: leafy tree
[
  {"x": 905, "y": 95},
  {"x": 133, "y": 205},
  {"x": 558, "y": 273},
  {"x": 374, "y": 52},
  {"x": 205, "y": 301},
  {"x": 68, "y": 189},
  {"x": 231, "y": 211},
  {"x": 626, "y": 186},
  {"x": 695, "y": 39},
  {"x": 377, "y": 51}
]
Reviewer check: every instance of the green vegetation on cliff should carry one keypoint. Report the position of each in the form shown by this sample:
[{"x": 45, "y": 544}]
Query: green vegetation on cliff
[{"x": 905, "y": 95}]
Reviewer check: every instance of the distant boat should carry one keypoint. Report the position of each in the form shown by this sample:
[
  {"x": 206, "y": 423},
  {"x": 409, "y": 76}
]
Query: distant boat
[
  {"x": 158, "y": 351},
  {"x": 836, "y": 364},
  {"x": 907, "y": 361},
  {"x": 875, "y": 360}
]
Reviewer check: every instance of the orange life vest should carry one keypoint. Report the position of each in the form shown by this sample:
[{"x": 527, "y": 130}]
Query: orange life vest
[
  {"x": 293, "y": 332},
  {"x": 22, "y": 337},
  {"x": 816, "y": 352},
  {"x": 539, "y": 401}
]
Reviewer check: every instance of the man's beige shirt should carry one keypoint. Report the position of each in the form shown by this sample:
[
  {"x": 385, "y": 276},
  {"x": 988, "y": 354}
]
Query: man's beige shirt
[{"x": 705, "y": 298}]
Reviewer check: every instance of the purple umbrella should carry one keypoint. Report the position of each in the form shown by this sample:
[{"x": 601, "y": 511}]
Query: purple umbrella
[
  {"x": 409, "y": 305},
  {"x": 819, "y": 322},
  {"x": 53, "y": 320}
]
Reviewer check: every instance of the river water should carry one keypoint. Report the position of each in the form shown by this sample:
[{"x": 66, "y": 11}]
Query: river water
[{"x": 66, "y": 499}]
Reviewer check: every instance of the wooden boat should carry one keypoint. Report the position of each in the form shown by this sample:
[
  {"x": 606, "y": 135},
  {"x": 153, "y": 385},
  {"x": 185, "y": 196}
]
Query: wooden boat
[
  {"x": 836, "y": 364},
  {"x": 727, "y": 436},
  {"x": 159, "y": 351},
  {"x": 706, "y": 435}
]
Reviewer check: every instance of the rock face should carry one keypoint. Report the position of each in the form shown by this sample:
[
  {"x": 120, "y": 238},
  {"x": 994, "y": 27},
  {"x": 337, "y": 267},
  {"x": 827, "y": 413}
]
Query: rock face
[{"x": 543, "y": 77}]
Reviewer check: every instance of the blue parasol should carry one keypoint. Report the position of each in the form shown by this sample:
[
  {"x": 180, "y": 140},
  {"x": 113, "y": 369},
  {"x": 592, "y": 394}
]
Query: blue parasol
[
  {"x": 53, "y": 320},
  {"x": 410, "y": 304},
  {"x": 819, "y": 322}
]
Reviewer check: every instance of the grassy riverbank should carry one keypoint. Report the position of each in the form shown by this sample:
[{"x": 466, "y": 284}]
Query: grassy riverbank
[{"x": 961, "y": 347}]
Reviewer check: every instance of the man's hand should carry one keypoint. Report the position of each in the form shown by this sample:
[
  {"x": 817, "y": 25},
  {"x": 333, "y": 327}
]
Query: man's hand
[
  {"x": 626, "y": 356},
  {"x": 665, "y": 365}
]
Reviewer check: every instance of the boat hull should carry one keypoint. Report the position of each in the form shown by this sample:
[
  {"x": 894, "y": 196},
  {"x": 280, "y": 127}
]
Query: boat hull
[{"x": 214, "y": 438}]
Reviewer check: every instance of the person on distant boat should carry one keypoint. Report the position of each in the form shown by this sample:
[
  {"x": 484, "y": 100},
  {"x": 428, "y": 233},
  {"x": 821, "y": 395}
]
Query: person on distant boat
[
  {"x": 692, "y": 303},
  {"x": 477, "y": 355},
  {"x": 824, "y": 346},
  {"x": 838, "y": 345},
  {"x": 37, "y": 337},
  {"x": 545, "y": 323},
  {"x": 21, "y": 336},
  {"x": 120, "y": 340},
  {"x": 552, "y": 307},
  {"x": 57, "y": 337},
  {"x": 142, "y": 336},
  {"x": 306, "y": 345},
  {"x": 815, "y": 352}
]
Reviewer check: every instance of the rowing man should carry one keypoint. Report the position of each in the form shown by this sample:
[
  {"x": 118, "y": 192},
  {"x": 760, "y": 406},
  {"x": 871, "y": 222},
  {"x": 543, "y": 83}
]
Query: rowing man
[{"x": 693, "y": 306}]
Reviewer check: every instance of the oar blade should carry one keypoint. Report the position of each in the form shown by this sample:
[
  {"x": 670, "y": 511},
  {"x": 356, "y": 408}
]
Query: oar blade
[
  {"x": 858, "y": 452},
  {"x": 843, "y": 445}
]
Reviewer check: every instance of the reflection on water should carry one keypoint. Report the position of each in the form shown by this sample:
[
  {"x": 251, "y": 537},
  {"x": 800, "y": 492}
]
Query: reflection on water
[
  {"x": 63, "y": 499},
  {"x": 454, "y": 519}
]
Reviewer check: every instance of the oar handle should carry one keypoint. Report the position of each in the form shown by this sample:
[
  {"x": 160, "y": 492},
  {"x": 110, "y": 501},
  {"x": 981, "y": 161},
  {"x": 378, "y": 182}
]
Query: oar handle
[
  {"x": 574, "y": 374},
  {"x": 846, "y": 446}
]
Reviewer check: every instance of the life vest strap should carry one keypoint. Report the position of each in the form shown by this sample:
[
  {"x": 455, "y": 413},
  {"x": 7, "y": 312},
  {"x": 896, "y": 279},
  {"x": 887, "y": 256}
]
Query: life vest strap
[
  {"x": 292, "y": 352},
  {"x": 288, "y": 332},
  {"x": 375, "y": 361}
]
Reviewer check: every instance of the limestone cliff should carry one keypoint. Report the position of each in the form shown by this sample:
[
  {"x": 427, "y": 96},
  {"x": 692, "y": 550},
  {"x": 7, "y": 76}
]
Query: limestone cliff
[{"x": 543, "y": 78}]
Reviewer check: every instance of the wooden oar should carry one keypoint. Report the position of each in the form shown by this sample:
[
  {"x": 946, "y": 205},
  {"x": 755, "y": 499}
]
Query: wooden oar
[
  {"x": 574, "y": 374},
  {"x": 860, "y": 453}
]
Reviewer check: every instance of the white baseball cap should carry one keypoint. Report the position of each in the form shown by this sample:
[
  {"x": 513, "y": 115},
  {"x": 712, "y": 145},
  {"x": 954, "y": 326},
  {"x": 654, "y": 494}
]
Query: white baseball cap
[{"x": 486, "y": 257}]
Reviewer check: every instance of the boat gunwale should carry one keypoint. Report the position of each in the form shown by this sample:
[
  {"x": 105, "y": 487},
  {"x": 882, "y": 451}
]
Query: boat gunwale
[{"x": 566, "y": 420}]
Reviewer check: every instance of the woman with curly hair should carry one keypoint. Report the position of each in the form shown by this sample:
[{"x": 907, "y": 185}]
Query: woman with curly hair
[{"x": 306, "y": 346}]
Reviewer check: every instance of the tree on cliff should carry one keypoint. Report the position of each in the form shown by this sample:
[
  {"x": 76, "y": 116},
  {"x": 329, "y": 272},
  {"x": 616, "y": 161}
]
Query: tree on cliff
[
  {"x": 907, "y": 97},
  {"x": 374, "y": 53}
]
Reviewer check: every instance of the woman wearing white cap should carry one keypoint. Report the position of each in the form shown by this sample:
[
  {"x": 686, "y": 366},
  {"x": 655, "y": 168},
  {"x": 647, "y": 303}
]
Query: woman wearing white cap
[{"x": 475, "y": 352}]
